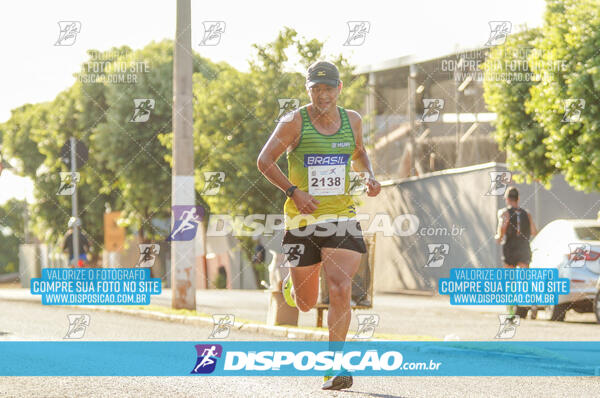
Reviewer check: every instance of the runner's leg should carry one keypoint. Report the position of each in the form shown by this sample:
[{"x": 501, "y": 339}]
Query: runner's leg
[
  {"x": 511, "y": 308},
  {"x": 533, "y": 308},
  {"x": 339, "y": 265},
  {"x": 306, "y": 286}
]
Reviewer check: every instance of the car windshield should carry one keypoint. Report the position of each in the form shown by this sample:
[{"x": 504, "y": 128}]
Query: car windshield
[{"x": 588, "y": 233}]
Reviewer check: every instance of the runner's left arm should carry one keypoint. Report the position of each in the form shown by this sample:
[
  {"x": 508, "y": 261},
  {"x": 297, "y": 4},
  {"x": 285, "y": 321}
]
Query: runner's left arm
[
  {"x": 360, "y": 159},
  {"x": 533, "y": 228}
]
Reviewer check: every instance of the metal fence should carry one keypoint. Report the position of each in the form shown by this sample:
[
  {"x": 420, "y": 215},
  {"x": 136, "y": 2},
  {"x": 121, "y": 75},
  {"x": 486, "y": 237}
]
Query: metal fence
[{"x": 457, "y": 221}]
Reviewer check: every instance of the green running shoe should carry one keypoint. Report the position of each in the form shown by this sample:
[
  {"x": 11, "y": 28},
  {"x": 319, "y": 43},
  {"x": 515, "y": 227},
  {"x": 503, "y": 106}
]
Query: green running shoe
[{"x": 287, "y": 291}]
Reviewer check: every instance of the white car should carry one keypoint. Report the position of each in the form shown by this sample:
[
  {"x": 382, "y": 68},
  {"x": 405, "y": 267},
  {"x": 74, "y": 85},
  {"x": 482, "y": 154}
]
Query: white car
[
  {"x": 597, "y": 302},
  {"x": 573, "y": 247}
]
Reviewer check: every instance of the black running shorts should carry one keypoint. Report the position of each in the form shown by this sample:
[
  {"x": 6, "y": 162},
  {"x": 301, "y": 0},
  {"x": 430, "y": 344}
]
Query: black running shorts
[
  {"x": 302, "y": 246},
  {"x": 512, "y": 255}
]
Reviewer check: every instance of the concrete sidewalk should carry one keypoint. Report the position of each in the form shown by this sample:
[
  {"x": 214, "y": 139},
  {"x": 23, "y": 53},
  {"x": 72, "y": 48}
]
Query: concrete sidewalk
[{"x": 401, "y": 316}]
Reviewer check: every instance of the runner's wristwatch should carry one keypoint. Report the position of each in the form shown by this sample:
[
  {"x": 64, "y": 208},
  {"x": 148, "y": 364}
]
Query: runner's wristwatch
[{"x": 290, "y": 191}]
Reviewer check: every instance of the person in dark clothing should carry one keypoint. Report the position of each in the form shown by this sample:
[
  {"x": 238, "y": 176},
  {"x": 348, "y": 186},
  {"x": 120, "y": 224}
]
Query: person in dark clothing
[
  {"x": 515, "y": 227},
  {"x": 83, "y": 245},
  {"x": 260, "y": 254}
]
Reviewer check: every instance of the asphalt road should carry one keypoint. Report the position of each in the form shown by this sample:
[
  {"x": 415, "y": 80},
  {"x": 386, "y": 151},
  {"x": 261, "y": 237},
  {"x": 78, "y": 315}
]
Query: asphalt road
[
  {"x": 429, "y": 387},
  {"x": 31, "y": 321},
  {"x": 408, "y": 315},
  {"x": 411, "y": 316}
]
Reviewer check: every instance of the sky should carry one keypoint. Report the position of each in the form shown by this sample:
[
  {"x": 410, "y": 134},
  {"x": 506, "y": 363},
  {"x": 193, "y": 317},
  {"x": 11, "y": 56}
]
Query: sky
[{"x": 34, "y": 70}]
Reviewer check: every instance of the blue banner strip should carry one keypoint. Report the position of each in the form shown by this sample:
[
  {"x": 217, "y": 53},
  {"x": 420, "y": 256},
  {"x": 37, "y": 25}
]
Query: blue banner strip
[{"x": 298, "y": 358}]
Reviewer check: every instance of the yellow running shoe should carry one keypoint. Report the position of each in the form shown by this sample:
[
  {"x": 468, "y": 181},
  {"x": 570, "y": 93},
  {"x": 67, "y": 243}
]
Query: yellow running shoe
[{"x": 287, "y": 291}]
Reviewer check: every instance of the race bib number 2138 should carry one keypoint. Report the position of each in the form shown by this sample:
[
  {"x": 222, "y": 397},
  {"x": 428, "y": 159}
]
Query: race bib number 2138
[
  {"x": 326, "y": 174},
  {"x": 326, "y": 180}
]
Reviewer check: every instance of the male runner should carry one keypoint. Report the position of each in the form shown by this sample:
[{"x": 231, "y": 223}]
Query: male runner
[
  {"x": 517, "y": 227},
  {"x": 323, "y": 142}
]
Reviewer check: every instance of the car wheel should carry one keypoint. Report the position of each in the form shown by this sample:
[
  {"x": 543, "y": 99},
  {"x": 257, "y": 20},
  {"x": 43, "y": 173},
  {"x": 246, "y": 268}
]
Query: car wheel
[
  {"x": 556, "y": 312},
  {"x": 597, "y": 306}
]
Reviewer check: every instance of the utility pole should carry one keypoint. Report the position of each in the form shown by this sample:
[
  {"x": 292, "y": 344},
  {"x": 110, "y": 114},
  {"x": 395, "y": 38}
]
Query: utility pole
[
  {"x": 183, "y": 258},
  {"x": 457, "y": 93},
  {"x": 371, "y": 111},
  {"x": 536, "y": 198},
  {"x": 26, "y": 223},
  {"x": 74, "y": 210},
  {"x": 412, "y": 74}
]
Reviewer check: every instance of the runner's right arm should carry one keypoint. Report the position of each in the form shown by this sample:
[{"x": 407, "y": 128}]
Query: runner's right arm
[{"x": 286, "y": 135}]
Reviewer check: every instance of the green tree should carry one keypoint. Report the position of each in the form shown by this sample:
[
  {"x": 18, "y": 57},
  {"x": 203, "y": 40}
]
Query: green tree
[
  {"x": 131, "y": 150},
  {"x": 35, "y": 146},
  {"x": 129, "y": 164},
  {"x": 569, "y": 63},
  {"x": 11, "y": 234},
  {"x": 507, "y": 88},
  {"x": 540, "y": 134},
  {"x": 17, "y": 137}
]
